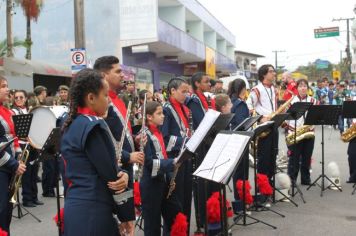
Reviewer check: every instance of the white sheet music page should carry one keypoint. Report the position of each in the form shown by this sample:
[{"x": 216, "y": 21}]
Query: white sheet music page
[
  {"x": 200, "y": 133},
  {"x": 205, "y": 170},
  {"x": 222, "y": 157}
]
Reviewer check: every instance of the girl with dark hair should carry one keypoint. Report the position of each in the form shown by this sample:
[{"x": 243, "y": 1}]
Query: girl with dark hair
[
  {"x": 8, "y": 163},
  {"x": 302, "y": 151},
  {"x": 29, "y": 183},
  {"x": 175, "y": 129},
  {"x": 89, "y": 153},
  {"x": 154, "y": 183}
]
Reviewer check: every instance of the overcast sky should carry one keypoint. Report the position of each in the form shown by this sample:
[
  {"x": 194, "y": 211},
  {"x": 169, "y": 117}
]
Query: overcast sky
[{"x": 261, "y": 26}]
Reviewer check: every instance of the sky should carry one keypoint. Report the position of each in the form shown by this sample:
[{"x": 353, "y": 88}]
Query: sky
[{"x": 263, "y": 26}]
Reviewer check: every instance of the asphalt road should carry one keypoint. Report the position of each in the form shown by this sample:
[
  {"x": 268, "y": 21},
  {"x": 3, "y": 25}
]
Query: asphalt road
[{"x": 332, "y": 214}]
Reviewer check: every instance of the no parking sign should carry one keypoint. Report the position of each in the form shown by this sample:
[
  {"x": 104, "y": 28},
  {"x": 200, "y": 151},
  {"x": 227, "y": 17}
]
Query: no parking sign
[{"x": 78, "y": 58}]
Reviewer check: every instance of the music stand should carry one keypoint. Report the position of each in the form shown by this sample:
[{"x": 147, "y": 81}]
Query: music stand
[
  {"x": 257, "y": 132},
  {"x": 22, "y": 125},
  {"x": 323, "y": 115},
  {"x": 49, "y": 151},
  {"x": 349, "y": 111},
  {"x": 296, "y": 111}
]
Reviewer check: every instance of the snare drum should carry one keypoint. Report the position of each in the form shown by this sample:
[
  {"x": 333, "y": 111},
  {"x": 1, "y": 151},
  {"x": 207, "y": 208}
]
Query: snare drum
[{"x": 43, "y": 121}]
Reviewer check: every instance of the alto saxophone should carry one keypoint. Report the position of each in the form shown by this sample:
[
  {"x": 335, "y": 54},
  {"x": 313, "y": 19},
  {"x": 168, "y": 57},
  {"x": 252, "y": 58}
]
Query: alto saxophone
[
  {"x": 302, "y": 133},
  {"x": 281, "y": 109},
  {"x": 16, "y": 179},
  {"x": 349, "y": 134}
]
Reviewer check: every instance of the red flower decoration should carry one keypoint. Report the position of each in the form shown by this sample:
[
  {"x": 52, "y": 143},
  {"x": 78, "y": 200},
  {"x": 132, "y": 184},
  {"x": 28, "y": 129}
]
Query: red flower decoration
[
  {"x": 180, "y": 225},
  {"x": 3, "y": 232},
  {"x": 55, "y": 218},
  {"x": 137, "y": 194},
  {"x": 239, "y": 186},
  {"x": 264, "y": 185}
]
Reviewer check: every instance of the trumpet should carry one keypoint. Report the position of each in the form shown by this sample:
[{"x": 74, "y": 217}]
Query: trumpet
[
  {"x": 16, "y": 179},
  {"x": 142, "y": 146}
]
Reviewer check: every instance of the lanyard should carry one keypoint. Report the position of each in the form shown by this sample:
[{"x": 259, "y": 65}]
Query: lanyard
[{"x": 270, "y": 97}]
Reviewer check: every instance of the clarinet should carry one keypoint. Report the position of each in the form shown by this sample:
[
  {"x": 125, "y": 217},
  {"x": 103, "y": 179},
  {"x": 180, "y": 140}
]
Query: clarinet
[
  {"x": 142, "y": 146},
  {"x": 172, "y": 184}
]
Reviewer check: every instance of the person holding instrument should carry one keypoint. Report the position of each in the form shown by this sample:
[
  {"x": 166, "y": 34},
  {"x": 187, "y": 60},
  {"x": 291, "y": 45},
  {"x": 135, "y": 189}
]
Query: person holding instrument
[
  {"x": 154, "y": 184},
  {"x": 9, "y": 166},
  {"x": 91, "y": 165}
]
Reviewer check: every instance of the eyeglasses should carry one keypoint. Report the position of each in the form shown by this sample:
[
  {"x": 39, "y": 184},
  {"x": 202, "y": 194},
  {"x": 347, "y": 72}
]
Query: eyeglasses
[
  {"x": 271, "y": 71},
  {"x": 20, "y": 97}
]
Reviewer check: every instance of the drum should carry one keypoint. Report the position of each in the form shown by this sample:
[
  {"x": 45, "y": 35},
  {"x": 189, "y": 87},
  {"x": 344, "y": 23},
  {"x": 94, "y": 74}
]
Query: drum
[{"x": 43, "y": 121}]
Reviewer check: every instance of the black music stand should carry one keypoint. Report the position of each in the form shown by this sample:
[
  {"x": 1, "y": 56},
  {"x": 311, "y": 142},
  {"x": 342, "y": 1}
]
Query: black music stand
[
  {"x": 296, "y": 111},
  {"x": 22, "y": 125},
  {"x": 256, "y": 205},
  {"x": 349, "y": 111},
  {"x": 51, "y": 150},
  {"x": 323, "y": 115}
]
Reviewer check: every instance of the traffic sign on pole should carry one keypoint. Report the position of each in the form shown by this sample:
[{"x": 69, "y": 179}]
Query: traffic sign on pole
[
  {"x": 78, "y": 59},
  {"x": 326, "y": 32}
]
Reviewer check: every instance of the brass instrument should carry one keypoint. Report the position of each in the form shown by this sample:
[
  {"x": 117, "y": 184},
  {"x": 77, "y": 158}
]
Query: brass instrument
[
  {"x": 142, "y": 146},
  {"x": 16, "y": 179},
  {"x": 349, "y": 134},
  {"x": 280, "y": 109},
  {"x": 122, "y": 138},
  {"x": 172, "y": 184},
  {"x": 302, "y": 133}
]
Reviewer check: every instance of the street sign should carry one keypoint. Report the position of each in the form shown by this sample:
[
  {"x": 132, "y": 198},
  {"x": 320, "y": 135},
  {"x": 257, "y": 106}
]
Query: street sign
[
  {"x": 322, "y": 64},
  {"x": 336, "y": 74},
  {"x": 326, "y": 32},
  {"x": 78, "y": 58}
]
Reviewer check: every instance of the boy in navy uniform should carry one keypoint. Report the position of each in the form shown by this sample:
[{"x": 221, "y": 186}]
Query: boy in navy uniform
[
  {"x": 9, "y": 166},
  {"x": 110, "y": 68},
  {"x": 175, "y": 129},
  {"x": 154, "y": 183}
]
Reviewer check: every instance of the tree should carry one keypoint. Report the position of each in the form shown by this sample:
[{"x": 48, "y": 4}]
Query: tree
[
  {"x": 4, "y": 47},
  {"x": 31, "y": 9}
]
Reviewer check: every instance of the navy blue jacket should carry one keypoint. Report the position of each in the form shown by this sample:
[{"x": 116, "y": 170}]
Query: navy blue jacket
[
  {"x": 198, "y": 112},
  {"x": 173, "y": 131},
  {"x": 240, "y": 109},
  {"x": 8, "y": 163},
  {"x": 89, "y": 153}
]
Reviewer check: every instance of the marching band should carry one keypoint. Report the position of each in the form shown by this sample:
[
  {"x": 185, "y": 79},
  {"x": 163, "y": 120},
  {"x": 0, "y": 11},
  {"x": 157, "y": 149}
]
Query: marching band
[{"x": 99, "y": 149}]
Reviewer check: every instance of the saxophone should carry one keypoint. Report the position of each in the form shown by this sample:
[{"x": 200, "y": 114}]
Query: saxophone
[
  {"x": 349, "y": 134},
  {"x": 16, "y": 179},
  {"x": 302, "y": 133},
  {"x": 281, "y": 109}
]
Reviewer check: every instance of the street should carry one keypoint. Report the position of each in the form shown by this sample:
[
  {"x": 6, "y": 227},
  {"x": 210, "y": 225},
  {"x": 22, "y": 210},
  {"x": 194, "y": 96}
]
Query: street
[{"x": 332, "y": 214}]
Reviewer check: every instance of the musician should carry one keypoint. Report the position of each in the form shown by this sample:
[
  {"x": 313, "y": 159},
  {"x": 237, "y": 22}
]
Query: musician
[
  {"x": 110, "y": 68},
  {"x": 263, "y": 99},
  {"x": 91, "y": 165},
  {"x": 154, "y": 184},
  {"x": 198, "y": 105},
  {"x": 351, "y": 152},
  {"x": 175, "y": 129},
  {"x": 237, "y": 93},
  {"x": 39, "y": 98},
  {"x": 9, "y": 166},
  {"x": 141, "y": 99},
  {"x": 302, "y": 151},
  {"x": 291, "y": 86},
  {"x": 29, "y": 183},
  {"x": 62, "y": 98}
]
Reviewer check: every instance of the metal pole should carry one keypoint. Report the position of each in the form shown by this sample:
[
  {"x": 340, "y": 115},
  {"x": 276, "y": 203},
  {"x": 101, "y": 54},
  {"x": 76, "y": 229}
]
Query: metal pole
[
  {"x": 9, "y": 39},
  {"x": 79, "y": 27}
]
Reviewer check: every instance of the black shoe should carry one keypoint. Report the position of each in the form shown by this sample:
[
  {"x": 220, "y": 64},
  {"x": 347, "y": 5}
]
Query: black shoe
[
  {"x": 305, "y": 183},
  {"x": 48, "y": 195},
  {"x": 38, "y": 179},
  {"x": 28, "y": 204},
  {"x": 350, "y": 181},
  {"x": 37, "y": 202}
]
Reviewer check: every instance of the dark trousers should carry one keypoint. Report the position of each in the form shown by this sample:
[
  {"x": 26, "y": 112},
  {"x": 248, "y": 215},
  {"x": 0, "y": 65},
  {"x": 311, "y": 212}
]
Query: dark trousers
[
  {"x": 29, "y": 183},
  {"x": 5, "y": 205},
  {"x": 266, "y": 154},
  {"x": 184, "y": 188},
  {"x": 351, "y": 151},
  {"x": 155, "y": 204},
  {"x": 300, "y": 157},
  {"x": 241, "y": 173},
  {"x": 48, "y": 176}
]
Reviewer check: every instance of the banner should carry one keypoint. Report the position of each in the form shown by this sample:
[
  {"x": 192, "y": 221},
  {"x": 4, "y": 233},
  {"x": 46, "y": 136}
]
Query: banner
[{"x": 210, "y": 62}]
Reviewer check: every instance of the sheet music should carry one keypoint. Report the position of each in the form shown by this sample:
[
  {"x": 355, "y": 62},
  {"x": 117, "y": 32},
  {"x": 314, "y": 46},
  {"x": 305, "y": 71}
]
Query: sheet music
[
  {"x": 200, "y": 133},
  {"x": 222, "y": 157}
]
